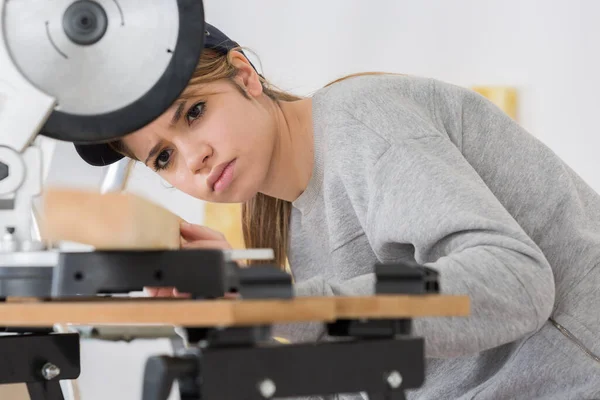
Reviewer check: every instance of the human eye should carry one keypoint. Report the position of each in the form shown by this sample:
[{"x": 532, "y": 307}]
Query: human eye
[
  {"x": 195, "y": 112},
  {"x": 162, "y": 160}
]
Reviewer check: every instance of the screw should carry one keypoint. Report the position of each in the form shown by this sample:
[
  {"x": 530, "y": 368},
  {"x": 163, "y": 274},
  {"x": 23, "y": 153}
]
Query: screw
[
  {"x": 50, "y": 371},
  {"x": 394, "y": 379},
  {"x": 267, "y": 388}
]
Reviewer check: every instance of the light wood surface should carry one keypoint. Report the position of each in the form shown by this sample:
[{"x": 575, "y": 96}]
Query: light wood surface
[
  {"x": 229, "y": 312},
  {"x": 111, "y": 221},
  {"x": 388, "y": 306}
]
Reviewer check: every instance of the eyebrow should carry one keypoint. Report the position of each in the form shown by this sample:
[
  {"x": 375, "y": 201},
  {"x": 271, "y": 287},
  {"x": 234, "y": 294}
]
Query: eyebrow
[
  {"x": 176, "y": 117},
  {"x": 177, "y": 114},
  {"x": 153, "y": 152}
]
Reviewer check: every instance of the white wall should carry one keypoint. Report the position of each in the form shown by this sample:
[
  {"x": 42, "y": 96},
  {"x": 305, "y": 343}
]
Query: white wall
[{"x": 548, "y": 49}]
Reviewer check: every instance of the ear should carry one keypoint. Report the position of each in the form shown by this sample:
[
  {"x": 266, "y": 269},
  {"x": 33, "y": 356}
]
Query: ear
[{"x": 246, "y": 76}]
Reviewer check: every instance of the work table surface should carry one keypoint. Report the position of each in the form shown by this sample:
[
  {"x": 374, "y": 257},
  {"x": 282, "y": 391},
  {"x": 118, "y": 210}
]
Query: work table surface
[{"x": 227, "y": 312}]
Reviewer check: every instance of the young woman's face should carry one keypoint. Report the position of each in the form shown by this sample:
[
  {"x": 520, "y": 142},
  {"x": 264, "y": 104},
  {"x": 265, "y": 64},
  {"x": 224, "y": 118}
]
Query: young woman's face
[{"x": 216, "y": 146}]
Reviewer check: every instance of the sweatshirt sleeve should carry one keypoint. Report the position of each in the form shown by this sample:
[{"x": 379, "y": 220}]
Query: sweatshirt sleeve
[{"x": 423, "y": 192}]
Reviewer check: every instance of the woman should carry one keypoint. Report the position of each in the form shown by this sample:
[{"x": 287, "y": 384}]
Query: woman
[{"x": 379, "y": 168}]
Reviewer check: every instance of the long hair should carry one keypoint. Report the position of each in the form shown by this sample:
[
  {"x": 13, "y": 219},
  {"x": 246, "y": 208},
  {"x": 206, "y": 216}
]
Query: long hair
[{"x": 265, "y": 219}]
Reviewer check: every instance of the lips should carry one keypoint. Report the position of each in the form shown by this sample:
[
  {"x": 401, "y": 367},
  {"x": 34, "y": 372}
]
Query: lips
[{"x": 217, "y": 173}]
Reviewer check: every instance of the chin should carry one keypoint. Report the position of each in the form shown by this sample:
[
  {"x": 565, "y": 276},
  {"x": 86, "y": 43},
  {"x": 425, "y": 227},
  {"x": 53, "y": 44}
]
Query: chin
[{"x": 235, "y": 194}]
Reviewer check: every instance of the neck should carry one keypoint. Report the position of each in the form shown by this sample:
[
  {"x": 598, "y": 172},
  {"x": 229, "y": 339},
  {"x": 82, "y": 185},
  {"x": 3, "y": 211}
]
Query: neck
[{"x": 292, "y": 160}]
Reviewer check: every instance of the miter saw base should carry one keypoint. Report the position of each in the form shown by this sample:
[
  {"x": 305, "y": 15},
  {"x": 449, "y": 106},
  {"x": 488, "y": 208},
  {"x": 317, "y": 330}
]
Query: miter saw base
[{"x": 203, "y": 274}]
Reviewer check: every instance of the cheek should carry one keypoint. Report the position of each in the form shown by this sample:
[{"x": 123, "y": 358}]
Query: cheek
[
  {"x": 251, "y": 134},
  {"x": 182, "y": 179}
]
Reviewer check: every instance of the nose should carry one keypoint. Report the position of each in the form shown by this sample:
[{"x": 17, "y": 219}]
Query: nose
[{"x": 196, "y": 156}]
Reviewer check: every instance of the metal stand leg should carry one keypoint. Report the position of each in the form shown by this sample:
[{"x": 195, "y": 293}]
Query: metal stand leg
[
  {"x": 395, "y": 395},
  {"x": 45, "y": 391}
]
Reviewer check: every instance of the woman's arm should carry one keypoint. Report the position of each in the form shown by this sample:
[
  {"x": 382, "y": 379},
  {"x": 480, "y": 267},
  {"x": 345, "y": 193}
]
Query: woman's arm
[{"x": 425, "y": 193}]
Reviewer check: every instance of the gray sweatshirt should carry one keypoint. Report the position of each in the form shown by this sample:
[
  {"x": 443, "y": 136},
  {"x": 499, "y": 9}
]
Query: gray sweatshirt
[{"x": 415, "y": 169}]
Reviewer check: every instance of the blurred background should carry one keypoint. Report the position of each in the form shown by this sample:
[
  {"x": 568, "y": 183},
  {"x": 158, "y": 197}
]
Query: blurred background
[{"x": 545, "y": 51}]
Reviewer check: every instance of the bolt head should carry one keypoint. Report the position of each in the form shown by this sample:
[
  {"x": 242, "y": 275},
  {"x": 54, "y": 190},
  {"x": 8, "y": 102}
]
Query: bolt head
[
  {"x": 50, "y": 371},
  {"x": 394, "y": 379},
  {"x": 3, "y": 171},
  {"x": 267, "y": 388}
]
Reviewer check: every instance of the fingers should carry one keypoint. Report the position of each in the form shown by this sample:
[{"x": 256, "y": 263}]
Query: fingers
[
  {"x": 177, "y": 293},
  {"x": 192, "y": 232},
  {"x": 207, "y": 244},
  {"x": 173, "y": 292},
  {"x": 158, "y": 291},
  {"x": 165, "y": 292}
]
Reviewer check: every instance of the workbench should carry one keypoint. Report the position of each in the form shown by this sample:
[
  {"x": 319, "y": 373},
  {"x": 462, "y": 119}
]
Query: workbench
[{"x": 232, "y": 350}]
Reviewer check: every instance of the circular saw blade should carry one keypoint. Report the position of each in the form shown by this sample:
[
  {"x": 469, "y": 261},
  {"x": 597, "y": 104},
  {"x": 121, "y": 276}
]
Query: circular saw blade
[{"x": 118, "y": 84}]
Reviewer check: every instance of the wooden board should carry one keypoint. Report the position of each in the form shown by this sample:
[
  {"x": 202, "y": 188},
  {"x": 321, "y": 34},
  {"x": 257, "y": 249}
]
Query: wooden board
[
  {"x": 414, "y": 306},
  {"x": 229, "y": 312},
  {"x": 112, "y": 221}
]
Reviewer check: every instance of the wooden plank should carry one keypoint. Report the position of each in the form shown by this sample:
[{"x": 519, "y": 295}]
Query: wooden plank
[
  {"x": 414, "y": 306},
  {"x": 228, "y": 312},
  {"x": 111, "y": 221},
  {"x": 169, "y": 312}
]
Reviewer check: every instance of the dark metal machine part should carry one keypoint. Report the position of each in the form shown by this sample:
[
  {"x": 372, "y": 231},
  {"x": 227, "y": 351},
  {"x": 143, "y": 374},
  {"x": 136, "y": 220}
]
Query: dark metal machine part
[
  {"x": 40, "y": 361},
  {"x": 378, "y": 357},
  {"x": 30, "y": 281}
]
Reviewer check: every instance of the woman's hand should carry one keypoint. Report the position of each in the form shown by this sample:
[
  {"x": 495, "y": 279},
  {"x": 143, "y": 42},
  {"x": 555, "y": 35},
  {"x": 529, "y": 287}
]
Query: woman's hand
[
  {"x": 201, "y": 237},
  {"x": 192, "y": 237},
  {"x": 164, "y": 292}
]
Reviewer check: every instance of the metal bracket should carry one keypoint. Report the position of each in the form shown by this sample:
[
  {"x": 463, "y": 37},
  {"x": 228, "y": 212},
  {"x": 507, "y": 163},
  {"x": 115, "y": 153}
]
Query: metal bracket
[
  {"x": 375, "y": 328},
  {"x": 383, "y": 368},
  {"x": 260, "y": 282},
  {"x": 40, "y": 361},
  {"x": 406, "y": 278}
]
